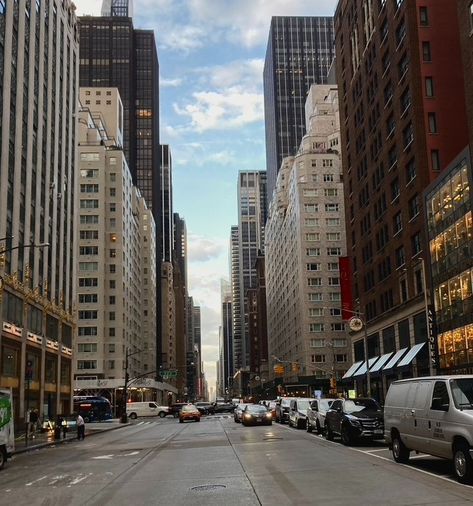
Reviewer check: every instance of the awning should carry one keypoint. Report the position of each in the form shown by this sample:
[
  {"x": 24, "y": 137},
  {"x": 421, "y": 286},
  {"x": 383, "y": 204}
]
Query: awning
[
  {"x": 397, "y": 356},
  {"x": 382, "y": 360},
  {"x": 362, "y": 369},
  {"x": 352, "y": 369},
  {"x": 411, "y": 354}
]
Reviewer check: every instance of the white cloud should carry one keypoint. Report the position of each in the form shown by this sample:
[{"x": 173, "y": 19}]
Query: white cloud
[
  {"x": 203, "y": 249},
  {"x": 182, "y": 38},
  {"x": 170, "y": 83},
  {"x": 224, "y": 157}
]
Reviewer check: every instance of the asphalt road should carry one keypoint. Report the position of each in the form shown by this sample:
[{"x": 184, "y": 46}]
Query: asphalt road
[{"x": 218, "y": 462}]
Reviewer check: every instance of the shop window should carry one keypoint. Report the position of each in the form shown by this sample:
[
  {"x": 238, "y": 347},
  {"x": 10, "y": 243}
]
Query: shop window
[
  {"x": 50, "y": 369},
  {"x": 10, "y": 362}
]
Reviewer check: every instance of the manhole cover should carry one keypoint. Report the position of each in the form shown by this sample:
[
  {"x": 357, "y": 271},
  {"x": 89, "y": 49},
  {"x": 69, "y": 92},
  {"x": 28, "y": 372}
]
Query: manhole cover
[{"x": 203, "y": 488}]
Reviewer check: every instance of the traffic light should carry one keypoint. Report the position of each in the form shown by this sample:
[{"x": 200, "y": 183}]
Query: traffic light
[{"x": 333, "y": 383}]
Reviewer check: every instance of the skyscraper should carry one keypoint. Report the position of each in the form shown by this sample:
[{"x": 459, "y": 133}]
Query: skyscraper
[
  {"x": 251, "y": 219},
  {"x": 299, "y": 53},
  {"x": 39, "y": 57},
  {"x": 235, "y": 300},
  {"x": 226, "y": 341},
  {"x": 402, "y": 117}
]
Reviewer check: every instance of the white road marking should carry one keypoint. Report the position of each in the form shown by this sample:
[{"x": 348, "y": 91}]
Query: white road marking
[
  {"x": 80, "y": 478},
  {"x": 36, "y": 481},
  {"x": 129, "y": 454},
  {"x": 377, "y": 450},
  {"x": 103, "y": 457},
  {"x": 55, "y": 479}
]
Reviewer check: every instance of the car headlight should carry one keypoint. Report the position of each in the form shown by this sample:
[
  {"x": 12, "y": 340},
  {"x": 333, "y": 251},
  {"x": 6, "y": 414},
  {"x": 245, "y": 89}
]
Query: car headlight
[
  {"x": 354, "y": 421},
  {"x": 269, "y": 415},
  {"x": 247, "y": 416}
]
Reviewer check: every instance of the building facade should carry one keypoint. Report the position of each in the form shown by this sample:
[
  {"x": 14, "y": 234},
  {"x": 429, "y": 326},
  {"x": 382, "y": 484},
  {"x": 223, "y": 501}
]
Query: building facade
[
  {"x": 399, "y": 73},
  {"x": 299, "y": 53},
  {"x": 251, "y": 219},
  {"x": 236, "y": 301},
  {"x": 226, "y": 338},
  {"x": 116, "y": 250},
  {"x": 39, "y": 57},
  {"x": 305, "y": 237}
]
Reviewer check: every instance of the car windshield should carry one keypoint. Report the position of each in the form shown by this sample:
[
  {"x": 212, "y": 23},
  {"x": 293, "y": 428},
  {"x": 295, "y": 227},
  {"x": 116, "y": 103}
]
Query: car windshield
[
  {"x": 285, "y": 402},
  {"x": 188, "y": 408},
  {"x": 462, "y": 391},
  {"x": 302, "y": 405},
  {"x": 272, "y": 404},
  {"x": 256, "y": 409},
  {"x": 325, "y": 404},
  {"x": 358, "y": 405},
  {"x": 242, "y": 406}
]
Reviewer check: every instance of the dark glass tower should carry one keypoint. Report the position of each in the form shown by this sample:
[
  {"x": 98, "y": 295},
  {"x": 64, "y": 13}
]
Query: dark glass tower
[{"x": 299, "y": 53}]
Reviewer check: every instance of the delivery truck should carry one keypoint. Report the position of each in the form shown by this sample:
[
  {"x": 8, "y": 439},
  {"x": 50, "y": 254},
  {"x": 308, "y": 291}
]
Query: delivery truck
[{"x": 7, "y": 436}]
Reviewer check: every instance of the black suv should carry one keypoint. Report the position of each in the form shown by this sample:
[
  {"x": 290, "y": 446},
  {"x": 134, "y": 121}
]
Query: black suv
[
  {"x": 282, "y": 409},
  {"x": 354, "y": 419}
]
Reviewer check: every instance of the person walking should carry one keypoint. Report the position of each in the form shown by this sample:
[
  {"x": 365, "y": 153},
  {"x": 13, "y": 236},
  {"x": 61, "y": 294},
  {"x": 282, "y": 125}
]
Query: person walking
[
  {"x": 80, "y": 428},
  {"x": 33, "y": 422}
]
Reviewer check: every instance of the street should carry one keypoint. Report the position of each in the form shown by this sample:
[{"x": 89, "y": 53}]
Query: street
[{"x": 216, "y": 461}]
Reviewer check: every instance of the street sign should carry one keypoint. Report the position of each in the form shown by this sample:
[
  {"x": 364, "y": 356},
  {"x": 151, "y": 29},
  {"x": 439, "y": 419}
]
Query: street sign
[{"x": 169, "y": 374}]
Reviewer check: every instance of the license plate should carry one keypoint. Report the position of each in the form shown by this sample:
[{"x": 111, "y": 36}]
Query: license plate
[
  {"x": 378, "y": 431},
  {"x": 258, "y": 419}
]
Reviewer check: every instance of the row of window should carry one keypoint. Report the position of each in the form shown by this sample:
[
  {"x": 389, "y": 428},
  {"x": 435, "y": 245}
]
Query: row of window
[
  {"x": 315, "y": 252},
  {"x": 314, "y": 208},
  {"x": 322, "y": 343},
  {"x": 321, "y": 327},
  {"x": 322, "y": 359},
  {"x": 92, "y": 364},
  {"x": 93, "y": 348},
  {"x": 313, "y": 192},
  {"x": 319, "y": 297},
  {"x": 319, "y": 282},
  {"x": 330, "y": 236},
  {"x": 331, "y": 266},
  {"x": 315, "y": 222}
]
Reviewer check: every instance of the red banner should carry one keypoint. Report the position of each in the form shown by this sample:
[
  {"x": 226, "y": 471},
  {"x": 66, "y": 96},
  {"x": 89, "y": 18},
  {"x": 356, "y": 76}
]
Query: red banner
[{"x": 346, "y": 287}]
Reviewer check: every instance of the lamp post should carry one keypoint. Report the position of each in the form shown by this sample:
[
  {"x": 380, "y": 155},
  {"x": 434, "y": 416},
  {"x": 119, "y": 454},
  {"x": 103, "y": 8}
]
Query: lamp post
[{"x": 124, "y": 417}]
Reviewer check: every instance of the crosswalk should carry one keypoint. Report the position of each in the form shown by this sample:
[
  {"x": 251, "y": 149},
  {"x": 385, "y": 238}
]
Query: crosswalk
[{"x": 162, "y": 421}]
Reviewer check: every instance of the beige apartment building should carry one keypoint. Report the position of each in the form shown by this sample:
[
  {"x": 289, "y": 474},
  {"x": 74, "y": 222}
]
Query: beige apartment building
[
  {"x": 116, "y": 250},
  {"x": 305, "y": 236}
]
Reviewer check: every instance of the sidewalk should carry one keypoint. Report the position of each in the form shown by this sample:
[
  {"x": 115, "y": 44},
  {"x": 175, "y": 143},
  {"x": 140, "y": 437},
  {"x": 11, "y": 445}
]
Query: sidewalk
[{"x": 45, "y": 439}]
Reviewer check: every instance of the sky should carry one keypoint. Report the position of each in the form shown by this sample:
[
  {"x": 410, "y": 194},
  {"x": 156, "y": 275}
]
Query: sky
[{"x": 211, "y": 56}]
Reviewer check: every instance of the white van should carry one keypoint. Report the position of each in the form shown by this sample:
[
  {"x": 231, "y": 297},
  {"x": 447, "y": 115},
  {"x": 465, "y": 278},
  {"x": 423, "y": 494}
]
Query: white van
[
  {"x": 432, "y": 415},
  {"x": 136, "y": 409},
  {"x": 7, "y": 436}
]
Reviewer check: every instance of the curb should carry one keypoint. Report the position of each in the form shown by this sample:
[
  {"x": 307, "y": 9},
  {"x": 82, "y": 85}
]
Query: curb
[{"x": 62, "y": 441}]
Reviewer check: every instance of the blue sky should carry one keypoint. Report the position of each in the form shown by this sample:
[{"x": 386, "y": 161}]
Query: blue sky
[{"x": 211, "y": 55}]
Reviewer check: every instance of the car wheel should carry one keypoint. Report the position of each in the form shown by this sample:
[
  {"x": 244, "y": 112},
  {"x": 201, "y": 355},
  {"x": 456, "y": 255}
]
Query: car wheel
[
  {"x": 162, "y": 414},
  {"x": 328, "y": 433},
  {"x": 309, "y": 426},
  {"x": 318, "y": 427},
  {"x": 347, "y": 439},
  {"x": 176, "y": 415},
  {"x": 3, "y": 457},
  {"x": 463, "y": 464},
  {"x": 300, "y": 423},
  {"x": 133, "y": 416},
  {"x": 400, "y": 452}
]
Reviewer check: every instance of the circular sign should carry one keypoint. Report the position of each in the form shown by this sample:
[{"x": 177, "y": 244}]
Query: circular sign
[
  {"x": 355, "y": 324},
  {"x": 257, "y": 378}
]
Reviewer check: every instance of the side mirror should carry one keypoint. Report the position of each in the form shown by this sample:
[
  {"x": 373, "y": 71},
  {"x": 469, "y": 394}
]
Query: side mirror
[{"x": 438, "y": 405}]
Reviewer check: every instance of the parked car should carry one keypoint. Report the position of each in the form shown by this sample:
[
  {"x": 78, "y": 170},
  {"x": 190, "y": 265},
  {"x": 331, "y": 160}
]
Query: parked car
[
  {"x": 136, "y": 409},
  {"x": 352, "y": 419},
  {"x": 282, "y": 409},
  {"x": 238, "y": 413},
  {"x": 316, "y": 415},
  {"x": 433, "y": 416},
  {"x": 272, "y": 409},
  {"x": 255, "y": 414},
  {"x": 189, "y": 412},
  {"x": 298, "y": 412},
  {"x": 205, "y": 408},
  {"x": 175, "y": 408}
]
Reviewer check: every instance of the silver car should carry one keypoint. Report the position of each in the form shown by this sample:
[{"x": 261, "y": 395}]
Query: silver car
[
  {"x": 238, "y": 413},
  {"x": 316, "y": 414}
]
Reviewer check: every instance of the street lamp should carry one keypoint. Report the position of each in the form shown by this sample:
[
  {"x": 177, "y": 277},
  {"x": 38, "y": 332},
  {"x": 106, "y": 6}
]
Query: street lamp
[{"x": 124, "y": 417}]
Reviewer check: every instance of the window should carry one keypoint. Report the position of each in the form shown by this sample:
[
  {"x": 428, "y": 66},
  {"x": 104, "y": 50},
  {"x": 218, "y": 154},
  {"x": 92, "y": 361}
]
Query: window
[
  {"x": 87, "y": 347},
  {"x": 410, "y": 170},
  {"x": 313, "y": 267},
  {"x": 111, "y": 300},
  {"x": 111, "y": 316},
  {"x": 88, "y": 331},
  {"x": 312, "y": 237},
  {"x": 315, "y": 297},
  {"x": 332, "y": 222},
  {"x": 328, "y": 178},
  {"x": 416, "y": 244},
  {"x": 414, "y": 207},
  {"x": 10, "y": 361},
  {"x": 111, "y": 348},
  {"x": 405, "y": 100},
  {"x": 311, "y": 208},
  {"x": 89, "y": 204},
  {"x": 89, "y": 157},
  {"x": 429, "y": 87},
  {"x": 426, "y": 51},
  {"x": 88, "y": 298},
  {"x": 423, "y": 16},
  {"x": 87, "y": 315},
  {"x": 440, "y": 396},
  {"x": 334, "y": 296},
  {"x": 334, "y": 281},
  {"x": 113, "y": 192},
  {"x": 88, "y": 250},
  {"x": 334, "y": 236},
  {"x": 397, "y": 223},
  {"x": 111, "y": 364},
  {"x": 89, "y": 235},
  {"x": 313, "y": 252},
  {"x": 317, "y": 359},
  {"x": 408, "y": 135},
  {"x": 400, "y": 256},
  {"x": 311, "y": 222},
  {"x": 88, "y": 266},
  {"x": 89, "y": 173},
  {"x": 432, "y": 122},
  {"x": 435, "y": 157},
  {"x": 333, "y": 266},
  {"x": 86, "y": 364},
  {"x": 112, "y": 207},
  {"x": 317, "y": 343},
  {"x": 332, "y": 208},
  {"x": 112, "y": 284},
  {"x": 310, "y": 193},
  {"x": 337, "y": 327},
  {"x": 339, "y": 342},
  {"x": 89, "y": 219},
  {"x": 314, "y": 281},
  {"x": 112, "y": 268},
  {"x": 88, "y": 282},
  {"x": 331, "y": 192},
  {"x": 334, "y": 252},
  {"x": 316, "y": 327},
  {"x": 89, "y": 188},
  {"x": 315, "y": 312},
  {"x": 340, "y": 357},
  {"x": 113, "y": 253}
]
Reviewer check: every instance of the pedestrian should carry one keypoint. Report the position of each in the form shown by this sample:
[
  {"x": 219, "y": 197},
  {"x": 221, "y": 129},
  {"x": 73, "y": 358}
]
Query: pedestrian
[
  {"x": 57, "y": 427},
  {"x": 80, "y": 428},
  {"x": 33, "y": 422},
  {"x": 64, "y": 428}
]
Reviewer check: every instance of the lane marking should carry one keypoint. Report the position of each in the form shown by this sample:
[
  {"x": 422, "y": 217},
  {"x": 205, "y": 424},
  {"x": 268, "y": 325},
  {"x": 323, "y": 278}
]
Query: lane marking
[
  {"x": 103, "y": 457},
  {"x": 55, "y": 479},
  {"x": 129, "y": 454},
  {"x": 77, "y": 480},
  {"x": 36, "y": 481}
]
